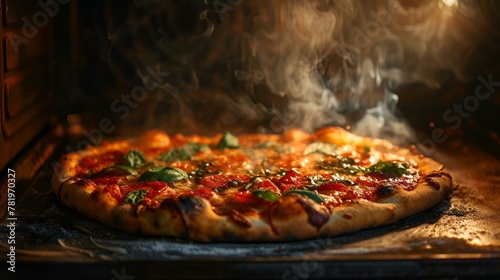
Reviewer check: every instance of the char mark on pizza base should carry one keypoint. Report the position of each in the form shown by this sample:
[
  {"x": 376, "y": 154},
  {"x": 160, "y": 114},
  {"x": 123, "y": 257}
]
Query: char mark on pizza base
[
  {"x": 429, "y": 178},
  {"x": 239, "y": 219},
  {"x": 432, "y": 183},
  {"x": 384, "y": 191},
  {"x": 318, "y": 214},
  {"x": 190, "y": 204}
]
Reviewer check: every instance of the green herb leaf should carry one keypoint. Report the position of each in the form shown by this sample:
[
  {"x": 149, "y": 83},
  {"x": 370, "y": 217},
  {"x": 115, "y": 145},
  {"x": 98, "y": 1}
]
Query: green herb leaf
[
  {"x": 388, "y": 168},
  {"x": 311, "y": 194},
  {"x": 320, "y": 147},
  {"x": 134, "y": 159},
  {"x": 346, "y": 182},
  {"x": 185, "y": 152},
  {"x": 366, "y": 150},
  {"x": 267, "y": 144},
  {"x": 164, "y": 174},
  {"x": 228, "y": 140},
  {"x": 125, "y": 168},
  {"x": 265, "y": 194},
  {"x": 135, "y": 197}
]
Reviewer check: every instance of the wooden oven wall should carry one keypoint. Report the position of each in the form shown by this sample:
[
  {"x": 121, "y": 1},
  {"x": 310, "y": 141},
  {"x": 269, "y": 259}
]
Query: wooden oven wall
[{"x": 26, "y": 75}]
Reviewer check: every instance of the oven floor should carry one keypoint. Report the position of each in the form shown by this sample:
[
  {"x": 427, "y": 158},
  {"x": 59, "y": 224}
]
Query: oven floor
[{"x": 460, "y": 237}]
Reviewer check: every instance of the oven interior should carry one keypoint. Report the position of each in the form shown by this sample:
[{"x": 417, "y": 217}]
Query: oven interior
[{"x": 416, "y": 72}]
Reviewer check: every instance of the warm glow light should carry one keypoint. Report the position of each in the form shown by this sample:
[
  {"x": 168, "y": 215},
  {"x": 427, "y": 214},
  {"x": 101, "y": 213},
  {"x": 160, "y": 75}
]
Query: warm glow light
[{"x": 449, "y": 3}]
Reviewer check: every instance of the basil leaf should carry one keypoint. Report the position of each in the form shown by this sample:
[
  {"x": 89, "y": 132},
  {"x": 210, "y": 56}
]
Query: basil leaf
[
  {"x": 349, "y": 166},
  {"x": 134, "y": 159},
  {"x": 164, "y": 174},
  {"x": 267, "y": 144},
  {"x": 320, "y": 147},
  {"x": 135, "y": 197},
  {"x": 346, "y": 182},
  {"x": 389, "y": 168},
  {"x": 311, "y": 194},
  {"x": 127, "y": 169},
  {"x": 265, "y": 194},
  {"x": 185, "y": 152},
  {"x": 228, "y": 140}
]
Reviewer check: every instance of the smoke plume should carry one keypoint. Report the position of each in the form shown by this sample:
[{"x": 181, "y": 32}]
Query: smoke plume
[{"x": 269, "y": 66}]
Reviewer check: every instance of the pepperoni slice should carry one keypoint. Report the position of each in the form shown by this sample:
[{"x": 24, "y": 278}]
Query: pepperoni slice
[
  {"x": 293, "y": 179},
  {"x": 217, "y": 181},
  {"x": 95, "y": 162},
  {"x": 266, "y": 185},
  {"x": 154, "y": 188},
  {"x": 376, "y": 180},
  {"x": 108, "y": 180},
  {"x": 333, "y": 186}
]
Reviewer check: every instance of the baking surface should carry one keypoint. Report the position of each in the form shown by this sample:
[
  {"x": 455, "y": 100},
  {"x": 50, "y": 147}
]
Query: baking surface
[{"x": 465, "y": 227}]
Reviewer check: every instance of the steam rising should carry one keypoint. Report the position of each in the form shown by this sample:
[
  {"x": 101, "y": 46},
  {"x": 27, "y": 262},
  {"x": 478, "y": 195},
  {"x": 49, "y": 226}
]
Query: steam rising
[{"x": 274, "y": 65}]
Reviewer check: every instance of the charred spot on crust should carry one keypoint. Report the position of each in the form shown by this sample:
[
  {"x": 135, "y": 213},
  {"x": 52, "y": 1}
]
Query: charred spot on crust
[
  {"x": 84, "y": 183},
  {"x": 169, "y": 203},
  {"x": 317, "y": 218},
  {"x": 347, "y": 216},
  {"x": 429, "y": 178},
  {"x": 275, "y": 229},
  {"x": 385, "y": 191},
  {"x": 438, "y": 174},
  {"x": 139, "y": 209},
  {"x": 431, "y": 182},
  {"x": 61, "y": 186},
  {"x": 190, "y": 203},
  {"x": 239, "y": 219}
]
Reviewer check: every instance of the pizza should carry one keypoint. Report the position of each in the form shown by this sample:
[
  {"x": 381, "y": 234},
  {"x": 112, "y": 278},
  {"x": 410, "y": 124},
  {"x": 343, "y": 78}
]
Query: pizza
[{"x": 251, "y": 187}]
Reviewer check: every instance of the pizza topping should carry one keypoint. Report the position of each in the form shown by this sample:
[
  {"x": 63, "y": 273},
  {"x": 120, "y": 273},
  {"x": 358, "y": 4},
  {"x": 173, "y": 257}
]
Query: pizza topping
[
  {"x": 108, "y": 179},
  {"x": 334, "y": 186},
  {"x": 389, "y": 168},
  {"x": 230, "y": 180},
  {"x": 185, "y": 152},
  {"x": 311, "y": 194},
  {"x": 164, "y": 174},
  {"x": 265, "y": 194},
  {"x": 134, "y": 159},
  {"x": 206, "y": 193},
  {"x": 320, "y": 147},
  {"x": 229, "y": 141},
  {"x": 339, "y": 164},
  {"x": 135, "y": 197},
  {"x": 405, "y": 182},
  {"x": 265, "y": 145},
  {"x": 203, "y": 168},
  {"x": 117, "y": 169},
  {"x": 94, "y": 163},
  {"x": 293, "y": 179}
]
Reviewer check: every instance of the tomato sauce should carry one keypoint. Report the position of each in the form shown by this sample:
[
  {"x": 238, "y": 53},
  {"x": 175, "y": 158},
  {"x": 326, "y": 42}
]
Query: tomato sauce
[{"x": 97, "y": 162}]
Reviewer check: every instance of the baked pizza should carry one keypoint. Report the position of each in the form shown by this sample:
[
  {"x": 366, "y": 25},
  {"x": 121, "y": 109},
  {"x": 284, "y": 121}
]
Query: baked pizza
[{"x": 252, "y": 187}]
